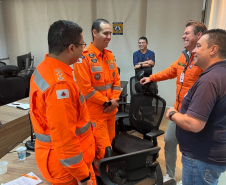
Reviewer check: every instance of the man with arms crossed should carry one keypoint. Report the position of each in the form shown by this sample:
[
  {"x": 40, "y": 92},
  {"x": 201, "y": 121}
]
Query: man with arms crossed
[
  {"x": 64, "y": 146},
  {"x": 186, "y": 73},
  {"x": 143, "y": 59},
  {"x": 201, "y": 123},
  {"x": 97, "y": 77}
]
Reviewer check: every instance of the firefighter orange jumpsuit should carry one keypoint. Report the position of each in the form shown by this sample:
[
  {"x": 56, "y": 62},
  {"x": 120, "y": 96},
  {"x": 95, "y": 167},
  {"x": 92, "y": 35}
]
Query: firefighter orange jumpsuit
[
  {"x": 97, "y": 77},
  {"x": 65, "y": 146},
  {"x": 182, "y": 65}
]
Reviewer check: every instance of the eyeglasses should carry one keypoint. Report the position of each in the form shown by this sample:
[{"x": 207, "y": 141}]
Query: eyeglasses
[{"x": 84, "y": 44}]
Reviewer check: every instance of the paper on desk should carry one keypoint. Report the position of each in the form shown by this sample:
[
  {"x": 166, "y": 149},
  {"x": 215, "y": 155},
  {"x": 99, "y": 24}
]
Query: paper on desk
[
  {"x": 25, "y": 181},
  {"x": 19, "y": 105}
]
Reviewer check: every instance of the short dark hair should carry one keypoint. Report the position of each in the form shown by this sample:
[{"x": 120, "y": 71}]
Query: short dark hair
[
  {"x": 217, "y": 37},
  {"x": 61, "y": 34},
  {"x": 144, "y": 38},
  {"x": 198, "y": 26},
  {"x": 96, "y": 25}
]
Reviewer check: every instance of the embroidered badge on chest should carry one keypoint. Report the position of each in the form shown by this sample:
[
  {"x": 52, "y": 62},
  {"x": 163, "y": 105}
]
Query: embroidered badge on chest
[
  {"x": 113, "y": 74},
  {"x": 97, "y": 76},
  {"x": 94, "y": 60},
  {"x": 91, "y": 55}
]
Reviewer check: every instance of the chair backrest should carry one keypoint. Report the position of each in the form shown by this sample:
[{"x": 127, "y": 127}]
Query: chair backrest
[
  {"x": 2, "y": 63},
  {"x": 129, "y": 169},
  {"x": 118, "y": 70},
  {"x": 133, "y": 81},
  {"x": 146, "y": 111},
  {"x": 13, "y": 87}
]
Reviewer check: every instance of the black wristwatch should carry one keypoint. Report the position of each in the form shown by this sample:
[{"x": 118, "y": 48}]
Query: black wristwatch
[
  {"x": 171, "y": 114},
  {"x": 141, "y": 65},
  {"x": 109, "y": 103}
]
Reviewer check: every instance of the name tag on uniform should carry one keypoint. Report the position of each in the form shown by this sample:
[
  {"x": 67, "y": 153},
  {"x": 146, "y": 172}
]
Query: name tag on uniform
[{"x": 182, "y": 77}]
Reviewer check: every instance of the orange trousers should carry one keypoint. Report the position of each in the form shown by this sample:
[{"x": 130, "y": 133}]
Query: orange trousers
[
  {"x": 104, "y": 132},
  {"x": 74, "y": 181}
]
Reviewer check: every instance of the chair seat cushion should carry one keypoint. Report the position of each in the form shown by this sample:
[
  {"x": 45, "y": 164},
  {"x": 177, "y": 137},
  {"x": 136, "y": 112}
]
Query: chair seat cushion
[
  {"x": 122, "y": 115},
  {"x": 125, "y": 143}
]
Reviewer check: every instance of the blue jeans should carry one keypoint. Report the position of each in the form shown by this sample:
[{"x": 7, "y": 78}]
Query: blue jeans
[{"x": 196, "y": 172}]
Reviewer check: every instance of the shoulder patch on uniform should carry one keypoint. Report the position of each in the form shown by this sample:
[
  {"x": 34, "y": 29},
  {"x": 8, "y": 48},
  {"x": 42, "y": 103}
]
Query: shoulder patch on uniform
[
  {"x": 79, "y": 61},
  {"x": 91, "y": 55},
  {"x": 94, "y": 60},
  {"x": 61, "y": 94}
]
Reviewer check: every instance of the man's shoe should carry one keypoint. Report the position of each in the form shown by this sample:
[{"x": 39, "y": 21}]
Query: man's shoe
[{"x": 167, "y": 178}]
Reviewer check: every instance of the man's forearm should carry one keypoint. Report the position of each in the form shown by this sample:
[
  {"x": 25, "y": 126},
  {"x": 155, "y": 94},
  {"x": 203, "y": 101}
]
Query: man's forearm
[{"x": 186, "y": 121}]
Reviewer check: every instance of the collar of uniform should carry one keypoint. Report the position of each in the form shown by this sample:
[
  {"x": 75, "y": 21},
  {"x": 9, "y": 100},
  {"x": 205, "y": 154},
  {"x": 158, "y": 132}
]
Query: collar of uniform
[
  {"x": 216, "y": 64},
  {"x": 96, "y": 51},
  {"x": 57, "y": 63}
]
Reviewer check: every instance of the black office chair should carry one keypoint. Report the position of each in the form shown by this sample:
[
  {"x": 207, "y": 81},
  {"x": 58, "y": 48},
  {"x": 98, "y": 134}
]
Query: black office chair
[
  {"x": 129, "y": 169},
  {"x": 13, "y": 87},
  {"x": 145, "y": 116},
  {"x": 123, "y": 124},
  {"x": 2, "y": 63}
]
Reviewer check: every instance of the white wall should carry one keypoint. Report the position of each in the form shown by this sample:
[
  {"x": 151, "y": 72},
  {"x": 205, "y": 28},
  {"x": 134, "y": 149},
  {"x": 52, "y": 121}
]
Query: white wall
[{"x": 162, "y": 21}]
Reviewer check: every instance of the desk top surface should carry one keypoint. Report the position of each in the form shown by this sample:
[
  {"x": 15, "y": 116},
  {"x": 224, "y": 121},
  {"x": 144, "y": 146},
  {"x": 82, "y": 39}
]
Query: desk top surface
[
  {"x": 8, "y": 113},
  {"x": 16, "y": 167}
]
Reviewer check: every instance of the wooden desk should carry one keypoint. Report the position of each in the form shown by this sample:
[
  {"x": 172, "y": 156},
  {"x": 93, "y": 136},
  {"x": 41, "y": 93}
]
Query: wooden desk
[
  {"x": 15, "y": 126},
  {"x": 16, "y": 167}
]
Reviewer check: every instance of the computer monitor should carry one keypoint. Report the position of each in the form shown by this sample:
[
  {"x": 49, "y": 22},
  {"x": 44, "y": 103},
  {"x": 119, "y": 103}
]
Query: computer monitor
[{"x": 24, "y": 61}]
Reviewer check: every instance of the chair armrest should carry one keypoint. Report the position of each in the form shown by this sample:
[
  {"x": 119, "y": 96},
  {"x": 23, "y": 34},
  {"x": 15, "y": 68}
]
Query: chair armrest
[
  {"x": 123, "y": 95},
  {"x": 122, "y": 103},
  {"x": 154, "y": 134}
]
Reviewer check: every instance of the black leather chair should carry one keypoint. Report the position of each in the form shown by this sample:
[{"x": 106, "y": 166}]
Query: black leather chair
[
  {"x": 129, "y": 169},
  {"x": 145, "y": 116},
  {"x": 13, "y": 87},
  {"x": 2, "y": 63}
]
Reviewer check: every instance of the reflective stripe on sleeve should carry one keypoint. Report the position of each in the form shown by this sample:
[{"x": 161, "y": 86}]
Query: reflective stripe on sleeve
[
  {"x": 71, "y": 161},
  {"x": 94, "y": 124},
  {"x": 81, "y": 97},
  {"x": 111, "y": 66},
  {"x": 95, "y": 162},
  {"x": 103, "y": 88},
  {"x": 90, "y": 94},
  {"x": 96, "y": 69},
  {"x": 40, "y": 82},
  {"x": 117, "y": 88},
  {"x": 43, "y": 138},
  {"x": 83, "y": 129}
]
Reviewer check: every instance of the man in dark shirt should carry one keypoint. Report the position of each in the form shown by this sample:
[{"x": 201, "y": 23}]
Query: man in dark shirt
[
  {"x": 201, "y": 123},
  {"x": 143, "y": 59}
]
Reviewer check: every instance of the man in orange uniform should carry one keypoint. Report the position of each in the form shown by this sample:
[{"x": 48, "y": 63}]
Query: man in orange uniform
[
  {"x": 65, "y": 146},
  {"x": 187, "y": 74},
  {"x": 97, "y": 77}
]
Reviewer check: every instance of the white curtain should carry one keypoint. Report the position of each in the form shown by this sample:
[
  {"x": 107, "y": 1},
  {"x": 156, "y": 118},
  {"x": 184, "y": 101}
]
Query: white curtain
[
  {"x": 162, "y": 21},
  {"x": 216, "y": 13},
  {"x": 3, "y": 51}
]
